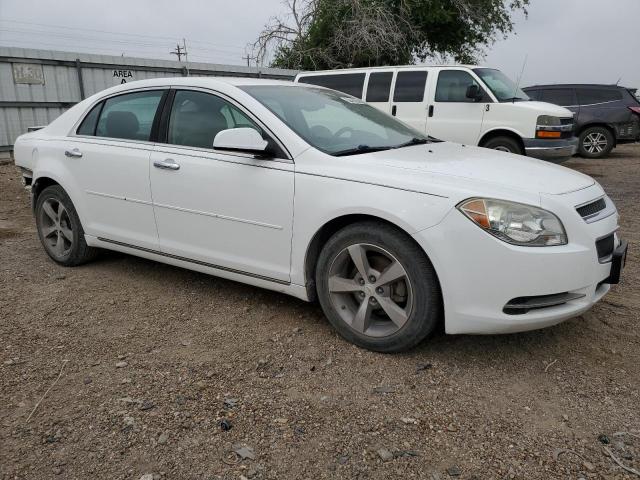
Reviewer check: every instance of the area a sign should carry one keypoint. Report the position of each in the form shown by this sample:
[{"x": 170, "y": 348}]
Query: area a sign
[{"x": 122, "y": 75}]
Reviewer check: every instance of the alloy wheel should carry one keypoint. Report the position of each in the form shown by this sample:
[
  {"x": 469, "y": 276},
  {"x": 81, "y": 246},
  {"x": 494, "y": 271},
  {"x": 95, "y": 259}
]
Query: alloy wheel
[
  {"x": 502, "y": 148},
  {"x": 56, "y": 228},
  {"x": 370, "y": 290},
  {"x": 594, "y": 142}
]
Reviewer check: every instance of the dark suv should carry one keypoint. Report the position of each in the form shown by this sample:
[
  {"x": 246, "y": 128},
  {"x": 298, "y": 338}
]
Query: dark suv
[{"x": 606, "y": 115}]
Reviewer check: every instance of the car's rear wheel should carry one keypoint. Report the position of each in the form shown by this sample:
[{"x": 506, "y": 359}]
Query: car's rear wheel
[
  {"x": 504, "y": 144},
  {"x": 378, "y": 288},
  {"x": 595, "y": 142},
  {"x": 59, "y": 228}
]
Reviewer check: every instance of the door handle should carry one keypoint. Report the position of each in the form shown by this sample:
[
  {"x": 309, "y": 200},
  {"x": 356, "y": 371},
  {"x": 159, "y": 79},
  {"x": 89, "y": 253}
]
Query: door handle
[
  {"x": 167, "y": 164},
  {"x": 394, "y": 109},
  {"x": 431, "y": 110},
  {"x": 74, "y": 153}
]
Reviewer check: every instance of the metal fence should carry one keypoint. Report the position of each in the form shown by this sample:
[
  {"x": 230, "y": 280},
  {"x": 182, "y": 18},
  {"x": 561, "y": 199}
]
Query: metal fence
[{"x": 38, "y": 85}]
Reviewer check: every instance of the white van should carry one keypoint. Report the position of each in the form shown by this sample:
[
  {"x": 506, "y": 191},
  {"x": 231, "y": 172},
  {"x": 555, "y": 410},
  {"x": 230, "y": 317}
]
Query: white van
[{"x": 462, "y": 103}]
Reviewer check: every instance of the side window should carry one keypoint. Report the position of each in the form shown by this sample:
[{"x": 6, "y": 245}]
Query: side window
[
  {"x": 197, "y": 117},
  {"x": 410, "y": 86},
  {"x": 88, "y": 125},
  {"x": 350, "y": 83},
  {"x": 588, "y": 96},
  {"x": 533, "y": 94},
  {"x": 558, "y": 96},
  {"x": 129, "y": 116},
  {"x": 452, "y": 86},
  {"x": 379, "y": 86}
]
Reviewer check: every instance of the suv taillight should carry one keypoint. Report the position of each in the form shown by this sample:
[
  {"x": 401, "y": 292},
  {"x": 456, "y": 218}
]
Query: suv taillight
[{"x": 635, "y": 110}]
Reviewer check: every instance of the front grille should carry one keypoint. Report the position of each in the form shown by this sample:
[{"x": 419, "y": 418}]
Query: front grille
[
  {"x": 604, "y": 247},
  {"x": 592, "y": 208},
  {"x": 522, "y": 305}
]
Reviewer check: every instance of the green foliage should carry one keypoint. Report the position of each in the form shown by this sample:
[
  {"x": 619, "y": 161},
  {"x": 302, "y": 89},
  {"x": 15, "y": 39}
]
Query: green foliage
[{"x": 357, "y": 33}]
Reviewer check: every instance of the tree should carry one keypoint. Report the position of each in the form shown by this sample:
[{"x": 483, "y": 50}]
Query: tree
[{"x": 325, "y": 34}]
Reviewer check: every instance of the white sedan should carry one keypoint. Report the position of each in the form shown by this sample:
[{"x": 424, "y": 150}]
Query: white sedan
[{"x": 313, "y": 193}]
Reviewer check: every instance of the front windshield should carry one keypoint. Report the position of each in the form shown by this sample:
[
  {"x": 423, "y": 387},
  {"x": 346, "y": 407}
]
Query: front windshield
[
  {"x": 502, "y": 86},
  {"x": 334, "y": 122}
]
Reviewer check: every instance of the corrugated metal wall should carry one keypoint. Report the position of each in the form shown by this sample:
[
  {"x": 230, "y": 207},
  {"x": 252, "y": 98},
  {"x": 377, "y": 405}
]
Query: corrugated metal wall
[{"x": 38, "y": 85}]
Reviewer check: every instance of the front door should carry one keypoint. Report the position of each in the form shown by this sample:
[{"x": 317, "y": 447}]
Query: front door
[
  {"x": 108, "y": 157},
  {"x": 228, "y": 210},
  {"x": 453, "y": 116}
]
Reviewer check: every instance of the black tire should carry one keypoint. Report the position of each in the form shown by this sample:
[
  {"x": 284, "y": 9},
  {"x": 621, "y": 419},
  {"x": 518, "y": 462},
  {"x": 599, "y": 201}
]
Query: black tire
[
  {"x": 74, "y": 249},
  {"x": 504, "y": 144},
  {"x": 595, "y": 142},
  {"x": 425, "y": 310}
]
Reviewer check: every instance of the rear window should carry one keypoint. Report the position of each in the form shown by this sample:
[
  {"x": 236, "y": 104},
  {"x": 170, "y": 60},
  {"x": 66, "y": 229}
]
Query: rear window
[
  {"x": 588, "y": 96},
  {"x": 350, "y": 83},
  {"x": 410, "y": 86},
  {"x": 379, "y": 87},
  {"x": 559, "y": 96}
]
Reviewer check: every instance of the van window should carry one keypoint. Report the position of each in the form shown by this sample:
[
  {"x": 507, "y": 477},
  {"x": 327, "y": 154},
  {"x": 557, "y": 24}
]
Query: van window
[
  {"x": 129, "y": 116},
  {"x": 558, "y": 96},
  {"x": 452, "y": 86},
  {"x": 350, "y": 83},
  {"x": 534, "y": 94},
  {"x": 379, "y": 86},
  {"x": 197, "y": 117},
  {"x": 588, "y": 96},
  {"x": 410, "y": 86}
]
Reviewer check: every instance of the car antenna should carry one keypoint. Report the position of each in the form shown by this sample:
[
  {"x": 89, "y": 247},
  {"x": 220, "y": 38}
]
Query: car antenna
[
  {"x": 618, "y": 81},
  {"x": 513, "y": 97}
]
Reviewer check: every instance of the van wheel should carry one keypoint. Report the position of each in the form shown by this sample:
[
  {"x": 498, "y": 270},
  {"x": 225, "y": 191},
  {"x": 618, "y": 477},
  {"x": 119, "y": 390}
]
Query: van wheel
[
  {"x": 595, "y": 142},
  {"x": 504, "y": 144},
  {"x": 378, "y": 288},
  {"x": 59, "y": 228}
]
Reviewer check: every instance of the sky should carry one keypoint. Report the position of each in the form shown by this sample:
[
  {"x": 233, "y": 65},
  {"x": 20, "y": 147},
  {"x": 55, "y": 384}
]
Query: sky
[{"x": 582, "y": 41}]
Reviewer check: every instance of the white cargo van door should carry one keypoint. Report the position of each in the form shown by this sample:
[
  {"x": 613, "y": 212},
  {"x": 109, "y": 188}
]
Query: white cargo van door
[
  {"x": 410, "y": 98},
  {"x": 452, "y": 115},
  {"x": 378, "y": 92}
]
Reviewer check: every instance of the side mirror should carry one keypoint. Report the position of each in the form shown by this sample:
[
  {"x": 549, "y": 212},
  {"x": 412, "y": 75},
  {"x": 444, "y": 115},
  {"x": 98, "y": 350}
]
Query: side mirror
[
  {"x": 240, "y": 140},
  {"x": 474, "y": 93}
]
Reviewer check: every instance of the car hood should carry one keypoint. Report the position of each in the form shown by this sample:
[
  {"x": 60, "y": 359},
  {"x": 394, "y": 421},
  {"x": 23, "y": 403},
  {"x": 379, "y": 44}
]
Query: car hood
[
  {"x": 483, "y": 166},
  {"x": 543, "y": 108}
]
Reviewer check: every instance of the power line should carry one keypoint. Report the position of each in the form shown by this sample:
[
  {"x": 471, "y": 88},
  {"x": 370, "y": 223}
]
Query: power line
[{"x": 124, "y": 34}]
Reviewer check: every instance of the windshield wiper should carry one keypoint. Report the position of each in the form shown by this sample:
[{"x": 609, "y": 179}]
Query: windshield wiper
[
  {"x": 358, "y": 150},
  {"x": 513, "y": 99},
  {"x": 414, "y": 141}
]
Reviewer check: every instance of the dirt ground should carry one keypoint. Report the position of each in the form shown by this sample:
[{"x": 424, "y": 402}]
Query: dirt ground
[{"x": 143, "y": 365}]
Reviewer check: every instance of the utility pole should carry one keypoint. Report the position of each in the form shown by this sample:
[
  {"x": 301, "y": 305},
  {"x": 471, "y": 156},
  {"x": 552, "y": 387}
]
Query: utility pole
[
  {"x": 178, "y": 52},
  {"x": 248, "y": 59}
]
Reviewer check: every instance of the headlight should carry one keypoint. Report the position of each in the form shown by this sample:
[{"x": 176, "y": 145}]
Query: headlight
[
  {"x": 515, "y": 223},
  {"x": 549, "y": 121}
]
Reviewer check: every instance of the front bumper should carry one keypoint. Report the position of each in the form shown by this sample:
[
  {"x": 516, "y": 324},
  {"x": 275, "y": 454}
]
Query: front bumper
[
  {"x": 480, "y": 275},
  {"x": 551, "y": 150}
]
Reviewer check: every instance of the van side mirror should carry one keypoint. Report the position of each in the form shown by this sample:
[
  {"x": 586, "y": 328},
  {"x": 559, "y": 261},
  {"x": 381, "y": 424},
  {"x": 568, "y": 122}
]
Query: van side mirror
[
  {"x": 240, "y": 140},
  {"x": 474, "y": 93}
]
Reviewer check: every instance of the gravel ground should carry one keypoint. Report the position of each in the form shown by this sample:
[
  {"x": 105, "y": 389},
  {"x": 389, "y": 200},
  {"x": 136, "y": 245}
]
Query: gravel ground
[{"x": 141, "y": 365}]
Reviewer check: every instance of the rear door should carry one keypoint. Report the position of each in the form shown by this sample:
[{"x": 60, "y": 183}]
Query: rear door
[
  {"x": 378, "y": 90},
  {"x": 410, "y": 98},
  {"x": 453, "y": 116},
  {"x": 109, "y": 160}
]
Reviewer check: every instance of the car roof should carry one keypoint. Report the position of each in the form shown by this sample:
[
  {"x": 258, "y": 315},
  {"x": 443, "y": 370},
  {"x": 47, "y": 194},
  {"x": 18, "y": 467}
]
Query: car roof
[
  {"x": 205, "y": 82},
  {"x": 401, "y": 67},
  {"x": 576, "y": 85}
]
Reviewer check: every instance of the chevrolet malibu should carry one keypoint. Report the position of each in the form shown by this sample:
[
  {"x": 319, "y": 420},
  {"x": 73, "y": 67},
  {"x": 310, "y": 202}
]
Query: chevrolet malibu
[{"x": 314, "y": 193}]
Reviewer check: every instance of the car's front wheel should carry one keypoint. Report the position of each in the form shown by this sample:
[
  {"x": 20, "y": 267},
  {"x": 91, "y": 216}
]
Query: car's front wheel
[
  {"x": 595, "y": 142},
  {"x": 504, "y": 144},
  {"x": 59, "y": 228},
  {"x": 378, "y": 288}
]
